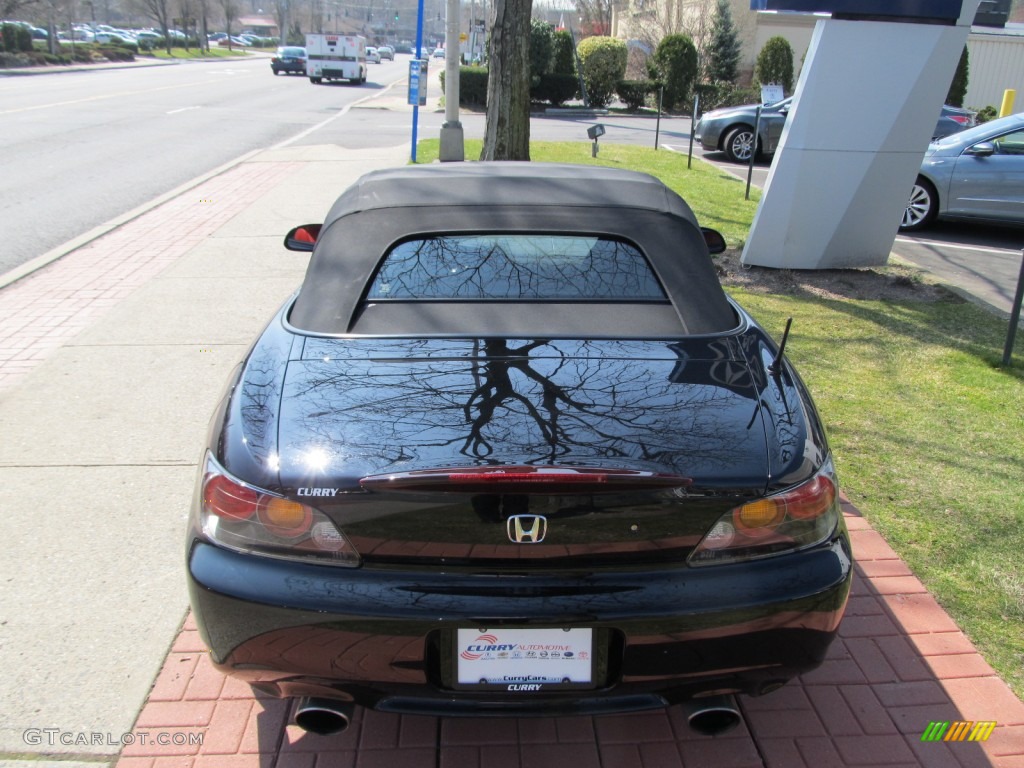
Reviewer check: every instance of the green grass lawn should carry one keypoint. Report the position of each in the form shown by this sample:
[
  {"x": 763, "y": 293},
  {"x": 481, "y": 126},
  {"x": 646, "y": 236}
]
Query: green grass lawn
[
  {"x": 926, "y": 427},
  {"x": 215, "y": 52}
]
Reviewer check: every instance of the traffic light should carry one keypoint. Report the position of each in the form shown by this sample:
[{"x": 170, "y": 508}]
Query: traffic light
[{"x": 396, "y": 15}]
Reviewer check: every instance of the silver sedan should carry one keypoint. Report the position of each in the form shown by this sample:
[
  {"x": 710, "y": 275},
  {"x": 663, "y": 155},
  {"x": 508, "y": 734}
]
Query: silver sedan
[{"x": 977, "y": 174}]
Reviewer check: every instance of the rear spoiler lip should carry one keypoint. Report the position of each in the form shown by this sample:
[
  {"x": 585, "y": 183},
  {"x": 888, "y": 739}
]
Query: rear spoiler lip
[{"x": 522, "y": 479}]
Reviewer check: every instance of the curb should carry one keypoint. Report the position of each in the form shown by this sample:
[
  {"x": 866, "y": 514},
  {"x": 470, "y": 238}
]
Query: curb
[
  {"x": 60, "y": 70},
  {"x": 63, "y": 69}
]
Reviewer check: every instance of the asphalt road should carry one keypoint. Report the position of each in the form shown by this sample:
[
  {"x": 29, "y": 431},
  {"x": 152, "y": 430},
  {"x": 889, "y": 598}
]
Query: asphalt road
[{"x": 80, "y": 148}]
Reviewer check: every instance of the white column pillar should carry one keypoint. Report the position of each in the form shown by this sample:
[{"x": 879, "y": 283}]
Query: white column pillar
[{"x": 865, "y": 109}]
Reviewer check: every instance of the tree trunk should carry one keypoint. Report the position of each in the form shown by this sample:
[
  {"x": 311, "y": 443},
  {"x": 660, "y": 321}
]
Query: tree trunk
[{"x": 507, "y": 131}]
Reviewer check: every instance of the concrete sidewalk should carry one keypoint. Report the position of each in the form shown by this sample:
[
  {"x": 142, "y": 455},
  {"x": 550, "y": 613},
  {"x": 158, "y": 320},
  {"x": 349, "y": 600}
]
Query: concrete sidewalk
[{"x": 111, "y": 360}]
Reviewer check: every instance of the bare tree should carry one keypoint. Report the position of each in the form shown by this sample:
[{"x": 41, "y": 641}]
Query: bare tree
[
  {"x": 507, "y": 130},
  {"x": 204, "y": 27},
  {"x": 596, "y": 16},
  {"x": 652, "y": 20},
  {"x": 55, "y": 9},
  {"x": 158, "y": 11},
  {"x": 9, "y": 9},
  {"x": 230, "y": 8},
  {"x": 282, "y": 14},
  {"x": 187, "y": 12}
]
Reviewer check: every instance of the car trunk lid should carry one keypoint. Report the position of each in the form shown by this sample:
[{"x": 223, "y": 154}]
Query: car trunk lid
[{"x": 475, "y": 451}]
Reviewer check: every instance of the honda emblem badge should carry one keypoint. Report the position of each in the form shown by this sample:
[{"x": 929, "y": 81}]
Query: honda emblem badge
[{"x": 527, "y": 529}]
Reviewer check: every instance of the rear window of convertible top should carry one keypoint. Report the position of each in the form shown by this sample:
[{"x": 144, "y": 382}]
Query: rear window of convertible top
[{"x": 513, "y": 267}]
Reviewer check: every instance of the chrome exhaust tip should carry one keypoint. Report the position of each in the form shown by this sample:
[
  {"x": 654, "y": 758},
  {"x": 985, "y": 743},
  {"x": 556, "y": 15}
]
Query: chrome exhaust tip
[
  {"x": 323, "y": 716},
  {"x": 713, "y": 715}
]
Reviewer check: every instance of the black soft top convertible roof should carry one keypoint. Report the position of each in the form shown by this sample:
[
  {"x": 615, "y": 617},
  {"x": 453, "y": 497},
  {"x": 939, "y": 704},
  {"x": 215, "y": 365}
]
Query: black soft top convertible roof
[
  {"x": 475, "y": 184},
  {"x": 386, "y": 207}
]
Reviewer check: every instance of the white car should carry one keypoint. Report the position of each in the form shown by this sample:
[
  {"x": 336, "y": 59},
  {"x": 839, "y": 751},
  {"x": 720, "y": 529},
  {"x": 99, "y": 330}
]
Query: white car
[
  {"x": 118, "y": 37},
  {"x": 372, "y": 54}
]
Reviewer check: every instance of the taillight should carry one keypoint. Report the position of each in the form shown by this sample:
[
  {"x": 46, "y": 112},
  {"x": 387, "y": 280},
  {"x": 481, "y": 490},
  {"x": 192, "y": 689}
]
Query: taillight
[
  {"x": 247, "y": 519},
  {"x": 962, "y": 119},
  {"x": 522, "y": 479},
  {"x": 228, "y": 499},
  {"x": 794, "y": 519}
]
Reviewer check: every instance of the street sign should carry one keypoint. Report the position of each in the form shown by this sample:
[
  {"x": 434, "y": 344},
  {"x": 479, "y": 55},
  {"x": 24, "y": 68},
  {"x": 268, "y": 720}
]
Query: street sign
[
  {"x": 418, "y": 82},
  {"x": 771, "y": 93}
]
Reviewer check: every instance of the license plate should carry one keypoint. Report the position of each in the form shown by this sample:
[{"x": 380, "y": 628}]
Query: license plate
[{"x": 524, "y": 660}]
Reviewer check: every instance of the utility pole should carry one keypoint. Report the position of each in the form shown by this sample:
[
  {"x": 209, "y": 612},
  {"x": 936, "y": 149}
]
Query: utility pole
[{"x": 453, "y": 148}]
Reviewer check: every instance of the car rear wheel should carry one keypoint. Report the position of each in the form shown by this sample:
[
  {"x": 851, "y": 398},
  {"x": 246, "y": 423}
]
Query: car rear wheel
[
  {"x": 922, "y": 206},
  {"x": 315, "y": 80},
  {"x": 739, "y": 144}
]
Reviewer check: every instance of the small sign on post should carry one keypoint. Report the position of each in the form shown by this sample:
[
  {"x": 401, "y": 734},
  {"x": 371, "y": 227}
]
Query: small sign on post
[
  {"x": 771, "y": 93},
  {"x": 418, "y": 82}
]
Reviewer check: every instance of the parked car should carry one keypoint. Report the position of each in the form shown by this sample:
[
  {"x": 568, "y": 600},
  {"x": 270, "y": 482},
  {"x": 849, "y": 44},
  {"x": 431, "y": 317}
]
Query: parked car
[
  {"x": 372, "y": 54},
  {"x": 290, "y": 59},
  {"x": 511, "y": 449},
  {"x": 148, "y": 39},
  {"x": 386, "y": 52},
  {"x": 976, "y": 175},
  {"x": 438, "y": 53},
  {"x": 120, "y": 37},
  {"x": 236, "y": 42},
  {"x": 731, "y": 129},
  {"x": 953, "y": 120}
]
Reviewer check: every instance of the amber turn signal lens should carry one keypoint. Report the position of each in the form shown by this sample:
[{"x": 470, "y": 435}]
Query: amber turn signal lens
[
  {"x": 284, "y": 518},
  {"x": 759, "y": 517}
]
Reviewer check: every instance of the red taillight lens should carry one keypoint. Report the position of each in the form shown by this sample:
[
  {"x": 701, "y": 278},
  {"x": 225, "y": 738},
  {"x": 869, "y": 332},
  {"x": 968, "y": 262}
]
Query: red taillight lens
[
  {"x": 227, "y": 499},
  {"x": 962, "y": 119},
  {"x": 812, "y": 499}
]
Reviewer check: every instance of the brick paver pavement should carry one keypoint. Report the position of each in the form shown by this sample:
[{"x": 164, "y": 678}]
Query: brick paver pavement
[
  {"x": 899, "y": 663},
  {"x": 41, "y": 312}
]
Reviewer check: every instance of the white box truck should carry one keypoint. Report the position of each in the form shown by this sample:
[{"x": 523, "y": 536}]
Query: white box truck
[{"x": 336, "y": 57}]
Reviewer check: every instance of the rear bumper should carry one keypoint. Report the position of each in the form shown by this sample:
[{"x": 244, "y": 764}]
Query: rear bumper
[{"x": 382, "y": 638}]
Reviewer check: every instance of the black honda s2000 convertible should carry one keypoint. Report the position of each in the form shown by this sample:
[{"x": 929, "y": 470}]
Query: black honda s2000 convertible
[{"x": 512, "y": 450}]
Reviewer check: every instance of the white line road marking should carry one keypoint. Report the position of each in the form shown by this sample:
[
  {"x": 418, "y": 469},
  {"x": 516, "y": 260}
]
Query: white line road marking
[
  {"x": 183, "y": 109},
  {"x": 941, "y": 244},
  {"x": 107, "y": 96}
]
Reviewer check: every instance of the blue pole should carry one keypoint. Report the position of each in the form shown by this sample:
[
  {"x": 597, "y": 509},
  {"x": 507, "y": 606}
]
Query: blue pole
[{"x": 419, "y": 55}]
